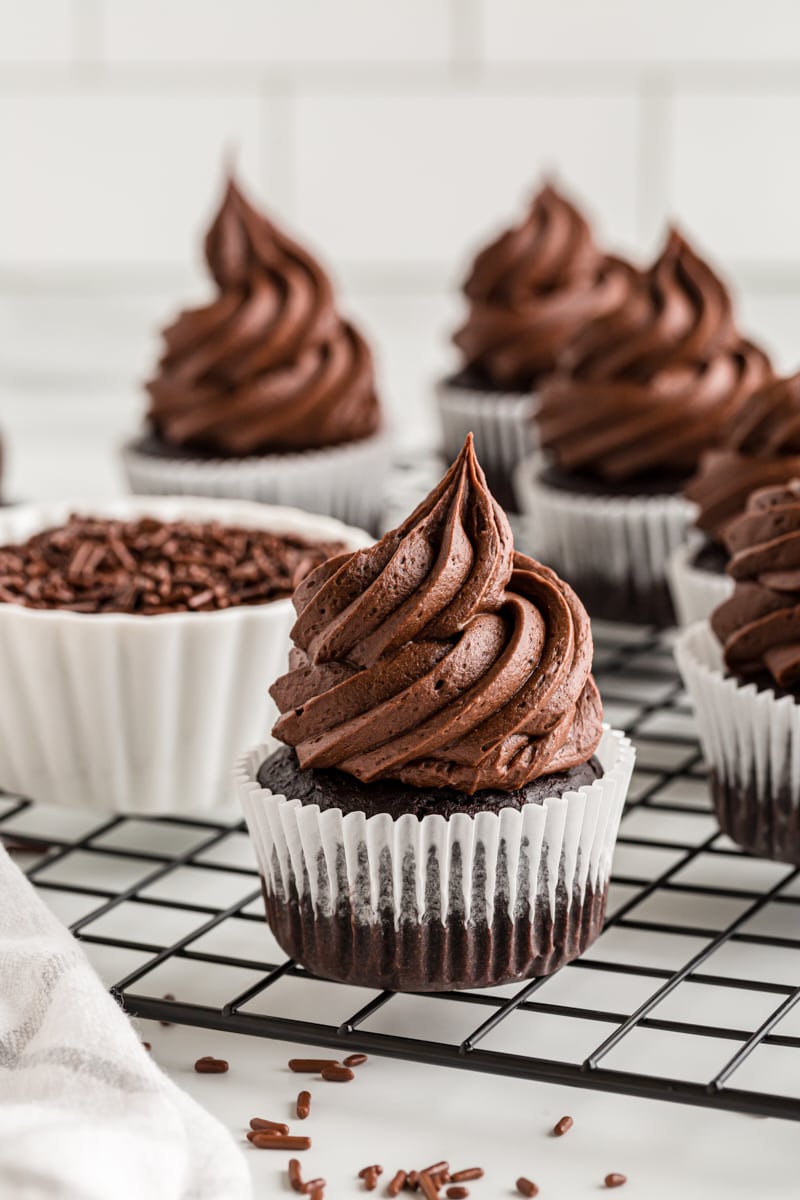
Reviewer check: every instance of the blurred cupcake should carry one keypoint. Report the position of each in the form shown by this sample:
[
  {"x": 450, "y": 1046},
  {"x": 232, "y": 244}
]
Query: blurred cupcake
[
  {"x": 444, "y": 809},
  {"x": 761, "y": 447},
  {"x": 266, "y": 393},
  {"x": 743, "y": 674},
  {"x": 529, "y": 293},
  {"x": 136, "y": 640},
  {"x": 639, "y": 395}
]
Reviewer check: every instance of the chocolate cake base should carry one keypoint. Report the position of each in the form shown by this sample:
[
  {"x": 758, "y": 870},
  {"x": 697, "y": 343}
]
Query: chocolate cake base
[
  {"x": 625, "y": 601},
  {"x": 154, "y": 446},
  {"x": 767, "y": 828},
  {"x": 711, "y": 557},
  {"x": 585, "y": 484},
  {"x": 329, "y": 788},
  {"x": 429, "y": 956}
]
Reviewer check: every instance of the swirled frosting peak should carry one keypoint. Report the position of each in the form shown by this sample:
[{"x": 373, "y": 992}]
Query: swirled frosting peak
[
  {"x": 645, "y": 389},
  {"x": 268, "y": 365},
  {"x": 759, "y": 626},
  {"x": 761, "y": 448},
  {"x": 439, "y": 656},
  {"x": 531, "y": 290}
]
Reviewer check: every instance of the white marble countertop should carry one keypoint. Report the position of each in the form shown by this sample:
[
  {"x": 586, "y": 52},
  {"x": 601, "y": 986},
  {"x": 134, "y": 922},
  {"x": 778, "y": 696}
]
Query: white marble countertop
[{"x": 402, "y": 1114}]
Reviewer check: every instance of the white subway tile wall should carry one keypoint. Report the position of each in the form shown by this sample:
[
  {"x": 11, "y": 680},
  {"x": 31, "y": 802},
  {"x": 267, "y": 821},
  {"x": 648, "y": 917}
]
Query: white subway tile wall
[
  {"x": 394, "y": 136},
  {"x": 36, "y": 31},
  {"x": 641, "y": 33},
  {"x": 276, "y": 32}
]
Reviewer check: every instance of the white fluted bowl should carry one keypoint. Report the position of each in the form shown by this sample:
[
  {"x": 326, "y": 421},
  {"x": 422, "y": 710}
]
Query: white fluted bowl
[{"x": 116, "y": 712}]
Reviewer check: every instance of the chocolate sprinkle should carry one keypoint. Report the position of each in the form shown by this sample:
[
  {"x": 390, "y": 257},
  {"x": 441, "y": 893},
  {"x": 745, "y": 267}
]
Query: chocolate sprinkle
[
  {"x": 467, "y": 1174},
  {"x": 147, "y": 566},
  {"x": 337, "y": 1074},
  {"x": 211, "y": 1066},
  {"x": 526, "y": 1187},
  {"x": 262, "y": 1125}
]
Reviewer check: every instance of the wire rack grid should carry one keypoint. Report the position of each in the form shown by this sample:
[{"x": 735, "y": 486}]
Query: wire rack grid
[{"x": 688, "y": 995}]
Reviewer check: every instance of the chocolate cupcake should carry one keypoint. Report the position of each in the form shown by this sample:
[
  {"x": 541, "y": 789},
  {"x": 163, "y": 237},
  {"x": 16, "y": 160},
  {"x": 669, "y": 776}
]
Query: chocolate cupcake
[
  {"x": 266, "y": 393},
  {"x": 444, "y": 809},
  {"x": 638, "y": 398},
  {"x": 743, "y": 674},
  {"x": 529, "y": 292},
  {"x": 761, "y": 448}
]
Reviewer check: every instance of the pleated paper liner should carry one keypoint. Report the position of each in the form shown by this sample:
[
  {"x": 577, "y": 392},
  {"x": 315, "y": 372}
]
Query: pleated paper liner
[
  {"x": 436, "y": 904},
  {"x": 695, "y": 592},
  {"x": 751, "y": 742},
  {"x": 612, "y": 549},
  {"x": 346, "y": 481},
  {"x": 503, "y": 427}
]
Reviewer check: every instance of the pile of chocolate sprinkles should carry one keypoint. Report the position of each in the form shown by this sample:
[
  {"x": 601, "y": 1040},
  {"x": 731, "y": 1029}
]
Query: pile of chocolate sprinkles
[{"x": 146, "y": 566}]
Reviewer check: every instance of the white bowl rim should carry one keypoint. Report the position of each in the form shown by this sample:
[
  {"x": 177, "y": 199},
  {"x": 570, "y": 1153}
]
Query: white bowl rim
[{"x": 206, "y": 508}]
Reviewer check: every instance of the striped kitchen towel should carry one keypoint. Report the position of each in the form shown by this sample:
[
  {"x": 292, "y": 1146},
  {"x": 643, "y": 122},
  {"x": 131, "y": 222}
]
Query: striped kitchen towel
[{"x": 85, "y": 1114}]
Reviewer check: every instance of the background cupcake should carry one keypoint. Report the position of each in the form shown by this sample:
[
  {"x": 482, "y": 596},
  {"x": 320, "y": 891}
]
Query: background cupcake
[
  {"x": 445, "y": 807},
  {"x": 743, "y": 673},
  {"x": 266, "y": 393},
  {"x": 761, "y": 447},
  {"x": 640, "y": 394},
  {"x": 529, "y": 292}
]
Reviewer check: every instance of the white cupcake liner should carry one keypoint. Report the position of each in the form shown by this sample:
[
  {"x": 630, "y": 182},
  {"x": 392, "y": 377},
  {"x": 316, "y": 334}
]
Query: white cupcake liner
[
  {"x": 346, "y": 481},
  {"x": 751, "y": 742},
  {"x": 501, "y": 422},
  {"x": 468, "y": 870},
  {"x": 695, "y": 592},
  {"x": 122, "y": 713},
  {"x": 608, "y": 539}
]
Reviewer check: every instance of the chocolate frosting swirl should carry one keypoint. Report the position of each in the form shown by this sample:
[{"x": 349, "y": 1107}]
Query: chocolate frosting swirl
[
  {"x": 269, "y": 365},
  {"x": 759, "y": 626},
  {"x": 440, "y": 657},
  {"x": 651, "y": 385},
  {"x": 531, "y": 290},
  {"x": 761, "y": 447}
]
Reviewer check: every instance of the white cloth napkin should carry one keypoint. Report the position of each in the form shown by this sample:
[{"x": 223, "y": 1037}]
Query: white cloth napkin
[{"x": 85, "y": 1114}]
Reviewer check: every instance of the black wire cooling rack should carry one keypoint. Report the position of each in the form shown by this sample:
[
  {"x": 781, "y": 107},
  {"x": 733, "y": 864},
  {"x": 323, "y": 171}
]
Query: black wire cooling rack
[{"x": 688, "y": 995}]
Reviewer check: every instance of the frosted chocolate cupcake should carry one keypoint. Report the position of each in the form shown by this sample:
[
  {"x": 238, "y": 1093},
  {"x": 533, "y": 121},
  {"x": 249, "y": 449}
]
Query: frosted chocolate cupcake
[
  {"x": 266, "y": 393},
  {"x": 761, "y": 448},
  {"x": 638, "y": 398},
  {"x": 444, "y": 809},
  {"x": 529, "y": 292},
  {"x": 743, "y": 674}
]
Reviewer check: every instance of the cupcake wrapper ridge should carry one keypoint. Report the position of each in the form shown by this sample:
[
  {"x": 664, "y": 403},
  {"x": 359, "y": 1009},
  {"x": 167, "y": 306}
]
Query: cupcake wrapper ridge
[
  {"x": 613, "y": 550},
  {"x": 502, "y": 423},
  {"x": 695, "y": 592},
  {"x": 426, "y": 904},
  {"x": 345, "y": 481},
  {"x": 751, "y": 742}
]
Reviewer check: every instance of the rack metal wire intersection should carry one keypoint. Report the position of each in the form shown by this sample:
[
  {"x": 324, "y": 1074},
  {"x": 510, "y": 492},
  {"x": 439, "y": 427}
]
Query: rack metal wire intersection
[{"x": 689, "y": 994}]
